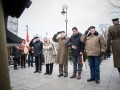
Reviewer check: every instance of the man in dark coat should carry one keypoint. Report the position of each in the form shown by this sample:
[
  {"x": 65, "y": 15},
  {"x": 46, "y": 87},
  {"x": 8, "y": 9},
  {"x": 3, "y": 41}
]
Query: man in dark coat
[
  {"x": 77, "y": 48},
  {"x": 38, "y": 47},
  {"x": 114, "y": 40}
]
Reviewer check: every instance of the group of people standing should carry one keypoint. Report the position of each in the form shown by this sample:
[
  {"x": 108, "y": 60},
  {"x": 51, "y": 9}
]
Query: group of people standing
[
  {"x": 43, "y": 51},
  {"x": 19, "y": 55},
  {"x": 91, "y": 43}
]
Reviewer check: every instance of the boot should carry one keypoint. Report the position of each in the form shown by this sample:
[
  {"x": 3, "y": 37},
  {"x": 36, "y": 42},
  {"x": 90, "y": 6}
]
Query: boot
[
  {"x": 66, "y": 75},
  {"x": 60, "y": 75},
  {"x": 79, "y": 76},
  {"x": 119, "y": 70},
  {"x": 74, "y": 75},
  {"x": 90, "y": 79},
  {"x": 97, "y": 81}
]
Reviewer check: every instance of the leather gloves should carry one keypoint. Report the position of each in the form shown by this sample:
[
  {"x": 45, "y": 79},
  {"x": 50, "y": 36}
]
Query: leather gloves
[
  {"x": 58, "y": 33},
  {"x": 86, "y": 32}
]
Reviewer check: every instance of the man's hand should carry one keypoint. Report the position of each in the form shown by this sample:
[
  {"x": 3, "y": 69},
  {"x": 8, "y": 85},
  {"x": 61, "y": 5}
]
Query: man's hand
[
  {"x": 81, "y": 53},
  {"x": 101, "y": 54},
  {"x": 86, "y": 32},
  {"x": 108, "y": 53},
  {"x": 74, "y": 47}
]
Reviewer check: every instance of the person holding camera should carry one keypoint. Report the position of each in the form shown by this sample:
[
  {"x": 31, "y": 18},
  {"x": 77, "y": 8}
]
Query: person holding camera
[
  {"x": 77, "y": 49},
  {"x": 95, "y": 46},
  {"x": 62, "y": 53}
]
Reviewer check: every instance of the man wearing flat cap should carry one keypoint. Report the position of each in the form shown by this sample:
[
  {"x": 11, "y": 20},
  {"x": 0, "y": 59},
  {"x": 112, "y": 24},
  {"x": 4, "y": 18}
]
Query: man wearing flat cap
[
  {"x": 38, "y": 47},
  {"x": 114, "y": 41}
]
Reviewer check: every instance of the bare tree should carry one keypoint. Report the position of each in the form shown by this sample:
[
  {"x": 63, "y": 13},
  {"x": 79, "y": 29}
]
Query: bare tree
[
  {"x": 114, "y": 6},
  {"x": 103, "y": 29}
]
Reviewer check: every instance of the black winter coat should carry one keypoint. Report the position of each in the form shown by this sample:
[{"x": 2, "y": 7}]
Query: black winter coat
[
  {"x": 75, "y": 40},
  {"x": 16, "y": 53},
  {"x": 38, "y": 47}
]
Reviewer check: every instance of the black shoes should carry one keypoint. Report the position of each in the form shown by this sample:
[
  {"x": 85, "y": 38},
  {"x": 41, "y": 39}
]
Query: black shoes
[
  {"x": 35, "y": 71},
  {"x": 50, "y": 73},
  {"x": 32, "y": 66},
  {"x": 60, "y": 75},
  {"x": 46, "y": 73},
  {"x": 15, "y": 68},
  {"x": 90, "y": 80},
  {"x": 97, "y": 81},
  {"x": 23, "y": 67},
  {"x": 39, "y": 71},
  {"x": 65, "y": 75}
]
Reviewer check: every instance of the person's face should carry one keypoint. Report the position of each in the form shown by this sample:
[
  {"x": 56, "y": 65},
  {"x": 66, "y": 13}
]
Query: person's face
[
  {"x": 23, "y": 41},
  {"x": 75, "y": 32},
  {"x": 37, "y": 39},
  {"x": 92, "y": 31},
  {"x": 63, "y": 34},
  {"x": 46, "y": 40},
  {"x": 116, "y": 22}
]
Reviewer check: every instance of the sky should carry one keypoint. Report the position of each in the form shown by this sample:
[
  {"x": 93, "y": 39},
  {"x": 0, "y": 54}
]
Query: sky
[{"x": 44, "y": 16}]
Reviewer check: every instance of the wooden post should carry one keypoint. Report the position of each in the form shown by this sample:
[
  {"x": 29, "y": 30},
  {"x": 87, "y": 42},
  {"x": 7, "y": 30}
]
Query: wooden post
[{"x": 4, "y": 71}]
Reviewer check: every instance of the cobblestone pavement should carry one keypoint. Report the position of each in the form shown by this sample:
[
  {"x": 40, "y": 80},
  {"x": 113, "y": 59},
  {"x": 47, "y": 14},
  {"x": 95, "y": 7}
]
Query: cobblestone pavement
[{"x": 25, "y": 79}]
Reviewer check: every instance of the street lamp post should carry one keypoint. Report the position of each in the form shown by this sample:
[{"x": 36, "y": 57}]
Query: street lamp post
[{"x": 64, "y": 7}]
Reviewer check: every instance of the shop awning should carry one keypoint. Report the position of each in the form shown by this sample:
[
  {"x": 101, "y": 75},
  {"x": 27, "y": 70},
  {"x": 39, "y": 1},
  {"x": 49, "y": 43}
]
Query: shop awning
[{"x": 12, "y": 39}]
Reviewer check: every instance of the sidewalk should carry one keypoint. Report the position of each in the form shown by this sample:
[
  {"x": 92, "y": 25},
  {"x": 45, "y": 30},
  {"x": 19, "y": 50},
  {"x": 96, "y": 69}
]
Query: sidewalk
[{"x": 25, "y": 79}]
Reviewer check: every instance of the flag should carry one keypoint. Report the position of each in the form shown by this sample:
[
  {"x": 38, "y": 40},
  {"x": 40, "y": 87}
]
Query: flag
[
  {"x": 26, "y": 46},
  {"x": 27, "y": 35}
]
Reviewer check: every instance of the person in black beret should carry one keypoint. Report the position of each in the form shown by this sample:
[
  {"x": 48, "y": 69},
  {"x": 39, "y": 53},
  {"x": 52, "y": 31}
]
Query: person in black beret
[{"x": 95, "y": 47}]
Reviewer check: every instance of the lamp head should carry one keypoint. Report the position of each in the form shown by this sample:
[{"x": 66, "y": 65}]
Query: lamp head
[{"x": 63, "y": 12}]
